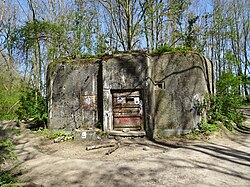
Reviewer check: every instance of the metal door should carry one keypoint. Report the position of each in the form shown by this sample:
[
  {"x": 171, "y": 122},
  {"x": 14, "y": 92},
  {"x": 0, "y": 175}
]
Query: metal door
[{"x": 127, "y": 110}]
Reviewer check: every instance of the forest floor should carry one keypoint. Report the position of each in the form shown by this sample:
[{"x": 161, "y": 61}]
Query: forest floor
[{"x": 221, "y": 160}]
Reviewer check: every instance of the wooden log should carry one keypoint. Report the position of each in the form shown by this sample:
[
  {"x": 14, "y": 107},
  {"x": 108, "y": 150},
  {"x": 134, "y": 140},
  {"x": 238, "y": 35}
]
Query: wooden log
[
  {"x": 117, "y": 145},
  {"x": 26, "y": 184},
  {"x": 99, "y": 146}
]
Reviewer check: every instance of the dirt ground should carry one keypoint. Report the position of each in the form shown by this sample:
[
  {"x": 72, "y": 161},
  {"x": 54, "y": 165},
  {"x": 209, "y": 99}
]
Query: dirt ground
[{"x": 218, "y": 161}]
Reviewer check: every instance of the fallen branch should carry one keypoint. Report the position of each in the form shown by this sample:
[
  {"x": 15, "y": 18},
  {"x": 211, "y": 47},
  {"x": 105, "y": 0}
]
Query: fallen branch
[
  {"x": 117, "y": 145},
  {"x": 12, "y": 107},
  {"x": 99, "y": 146},
  {"x": 26, "y": 184}
]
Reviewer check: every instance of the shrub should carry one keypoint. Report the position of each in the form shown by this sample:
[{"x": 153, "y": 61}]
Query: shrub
[
  {"x": 166, "y": 48},
  {"x": 9, "y": 94},
  {"x": 6, "y": 150},
  {"x": 33, "y": 105},
  {"x": 208, "y": 128},
  {"x": 6, "y": 179},
  {"x": 224, "y": 106},
  {"x": 60, "y": 134}
]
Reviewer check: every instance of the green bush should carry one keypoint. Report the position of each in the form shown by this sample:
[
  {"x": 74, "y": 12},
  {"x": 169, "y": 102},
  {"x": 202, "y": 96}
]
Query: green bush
[
  {"x": 33, "y": 105},
  {"x": 208, "y": 128},
  {"x": 6, "y": 179},
  {"x": 6, "y": 150},
  {"x": 225, "y": 105},
  {"x": 205, "y": 129},
  {"x": 9, "y": 94},
  {"x": 166, "y": 48},
  {"x": 60, "y": 134}
]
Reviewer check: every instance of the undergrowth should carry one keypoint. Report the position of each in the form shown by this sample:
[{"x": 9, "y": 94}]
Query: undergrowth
[
  {"x": 204, "y": 131},
  {"x": 33, "y": 106},
  {"x": 225, "y": 105},
  {"x": 51, "y": 135},
  {"x": 7, "y": 179},
  {"x": 7, "y": 150},
  {"x": 208, "y": 128},
  {"x": 6, "y": 153},
  {"x": 59, "y": 134}
]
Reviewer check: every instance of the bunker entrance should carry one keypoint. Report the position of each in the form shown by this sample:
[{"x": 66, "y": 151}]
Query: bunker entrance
[{"x": 127, "y": 110}]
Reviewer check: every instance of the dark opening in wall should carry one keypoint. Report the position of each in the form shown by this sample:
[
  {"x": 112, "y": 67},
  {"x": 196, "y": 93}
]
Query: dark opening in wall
[
  {"x": 129, "y": 99},
  {"x": 160, "y": 85}
]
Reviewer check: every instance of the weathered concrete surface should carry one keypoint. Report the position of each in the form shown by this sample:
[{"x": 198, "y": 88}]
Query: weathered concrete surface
[
  {"x": 172, "y": 90},
  {"x": 187, "y": 80},
  {"x": 120, "y": 73},
  {"x": 68, "y": 84}
]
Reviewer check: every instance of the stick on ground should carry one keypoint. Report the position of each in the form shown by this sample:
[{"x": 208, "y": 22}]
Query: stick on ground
[
  {"x": 113, "y": 149},
  {"x": 99, "y": 146}
]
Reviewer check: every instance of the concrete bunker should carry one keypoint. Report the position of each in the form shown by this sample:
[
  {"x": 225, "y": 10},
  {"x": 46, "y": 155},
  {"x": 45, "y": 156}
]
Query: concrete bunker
[{"x": 130, "y": 94}]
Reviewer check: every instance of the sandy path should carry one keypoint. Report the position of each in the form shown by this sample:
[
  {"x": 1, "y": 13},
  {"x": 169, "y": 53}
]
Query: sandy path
[{"x": 218, "y": 162}]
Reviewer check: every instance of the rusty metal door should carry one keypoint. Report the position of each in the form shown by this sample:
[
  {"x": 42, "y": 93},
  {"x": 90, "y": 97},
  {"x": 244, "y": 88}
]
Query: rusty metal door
[{"x": 127, "y": 110}]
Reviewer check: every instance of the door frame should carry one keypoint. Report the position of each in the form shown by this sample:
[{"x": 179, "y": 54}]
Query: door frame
[{"x": 117, "y": 91}]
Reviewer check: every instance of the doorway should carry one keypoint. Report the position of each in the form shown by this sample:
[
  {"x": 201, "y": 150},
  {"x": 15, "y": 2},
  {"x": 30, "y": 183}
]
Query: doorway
[{"x": 127, "y": 110}]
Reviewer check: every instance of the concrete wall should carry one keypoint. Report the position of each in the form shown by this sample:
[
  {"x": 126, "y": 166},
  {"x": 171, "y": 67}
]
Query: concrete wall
[
  {"x": 182, "y": 82},
  {"x": 122, "y": 72},
  {"x": 72, "y": 87},
  {"x": 172, "y": 85}
]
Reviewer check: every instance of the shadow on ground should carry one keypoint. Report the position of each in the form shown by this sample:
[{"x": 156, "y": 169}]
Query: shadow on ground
[{"x": 219, "y": 162}]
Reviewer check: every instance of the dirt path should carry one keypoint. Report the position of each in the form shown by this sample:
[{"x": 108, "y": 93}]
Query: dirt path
[{"x": 216, "y": 162}]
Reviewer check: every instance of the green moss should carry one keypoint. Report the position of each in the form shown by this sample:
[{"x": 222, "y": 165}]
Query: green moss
[
  {"x": 170, "y": 49},
  {"x": 85, "y": 59},
  {"x": 60, "y": 134}
]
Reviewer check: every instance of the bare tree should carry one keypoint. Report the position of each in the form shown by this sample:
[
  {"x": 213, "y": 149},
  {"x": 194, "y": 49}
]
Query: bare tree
[{"x": 126, "y": 17}]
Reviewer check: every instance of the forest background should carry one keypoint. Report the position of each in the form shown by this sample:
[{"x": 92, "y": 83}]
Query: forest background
[{"x": 34, "y": 33}]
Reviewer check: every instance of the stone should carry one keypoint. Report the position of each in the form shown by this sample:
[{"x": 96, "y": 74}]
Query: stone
[
  {"x": 146, "y": 148},
  {"x": 118, "y": 138}
]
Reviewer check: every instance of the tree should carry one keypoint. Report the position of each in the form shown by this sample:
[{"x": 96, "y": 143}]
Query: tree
[
  {"x": 154, "y": 21},
  {"x": 189, "y": 39},
  {"x": 2, "y": 12},
  {"x": 126, "y": 17},
  {"x": 176, "y": 20}
]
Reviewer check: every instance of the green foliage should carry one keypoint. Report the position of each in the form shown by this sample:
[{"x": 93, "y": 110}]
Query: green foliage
[
  {"x": 205, "y": 129},
  {"x": 9, "y": 94},
  {"x": 32, "y": 105},
  {"x": 228, "y": 125},
  {"x": 7, "y": 150},
  {"x": 88, "y": 56},
  {"x": 43, "y": 132},
  {"x": 167, "y": 48},
  {"x": 60, "y": 134},
  {"x": 208, "y": 128},
  {"x": 27, "y": 36},
  {"x": 6, "y": 179},
  {"x": 189, "y": 39},
  {"x": 224, "y": 106}
]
